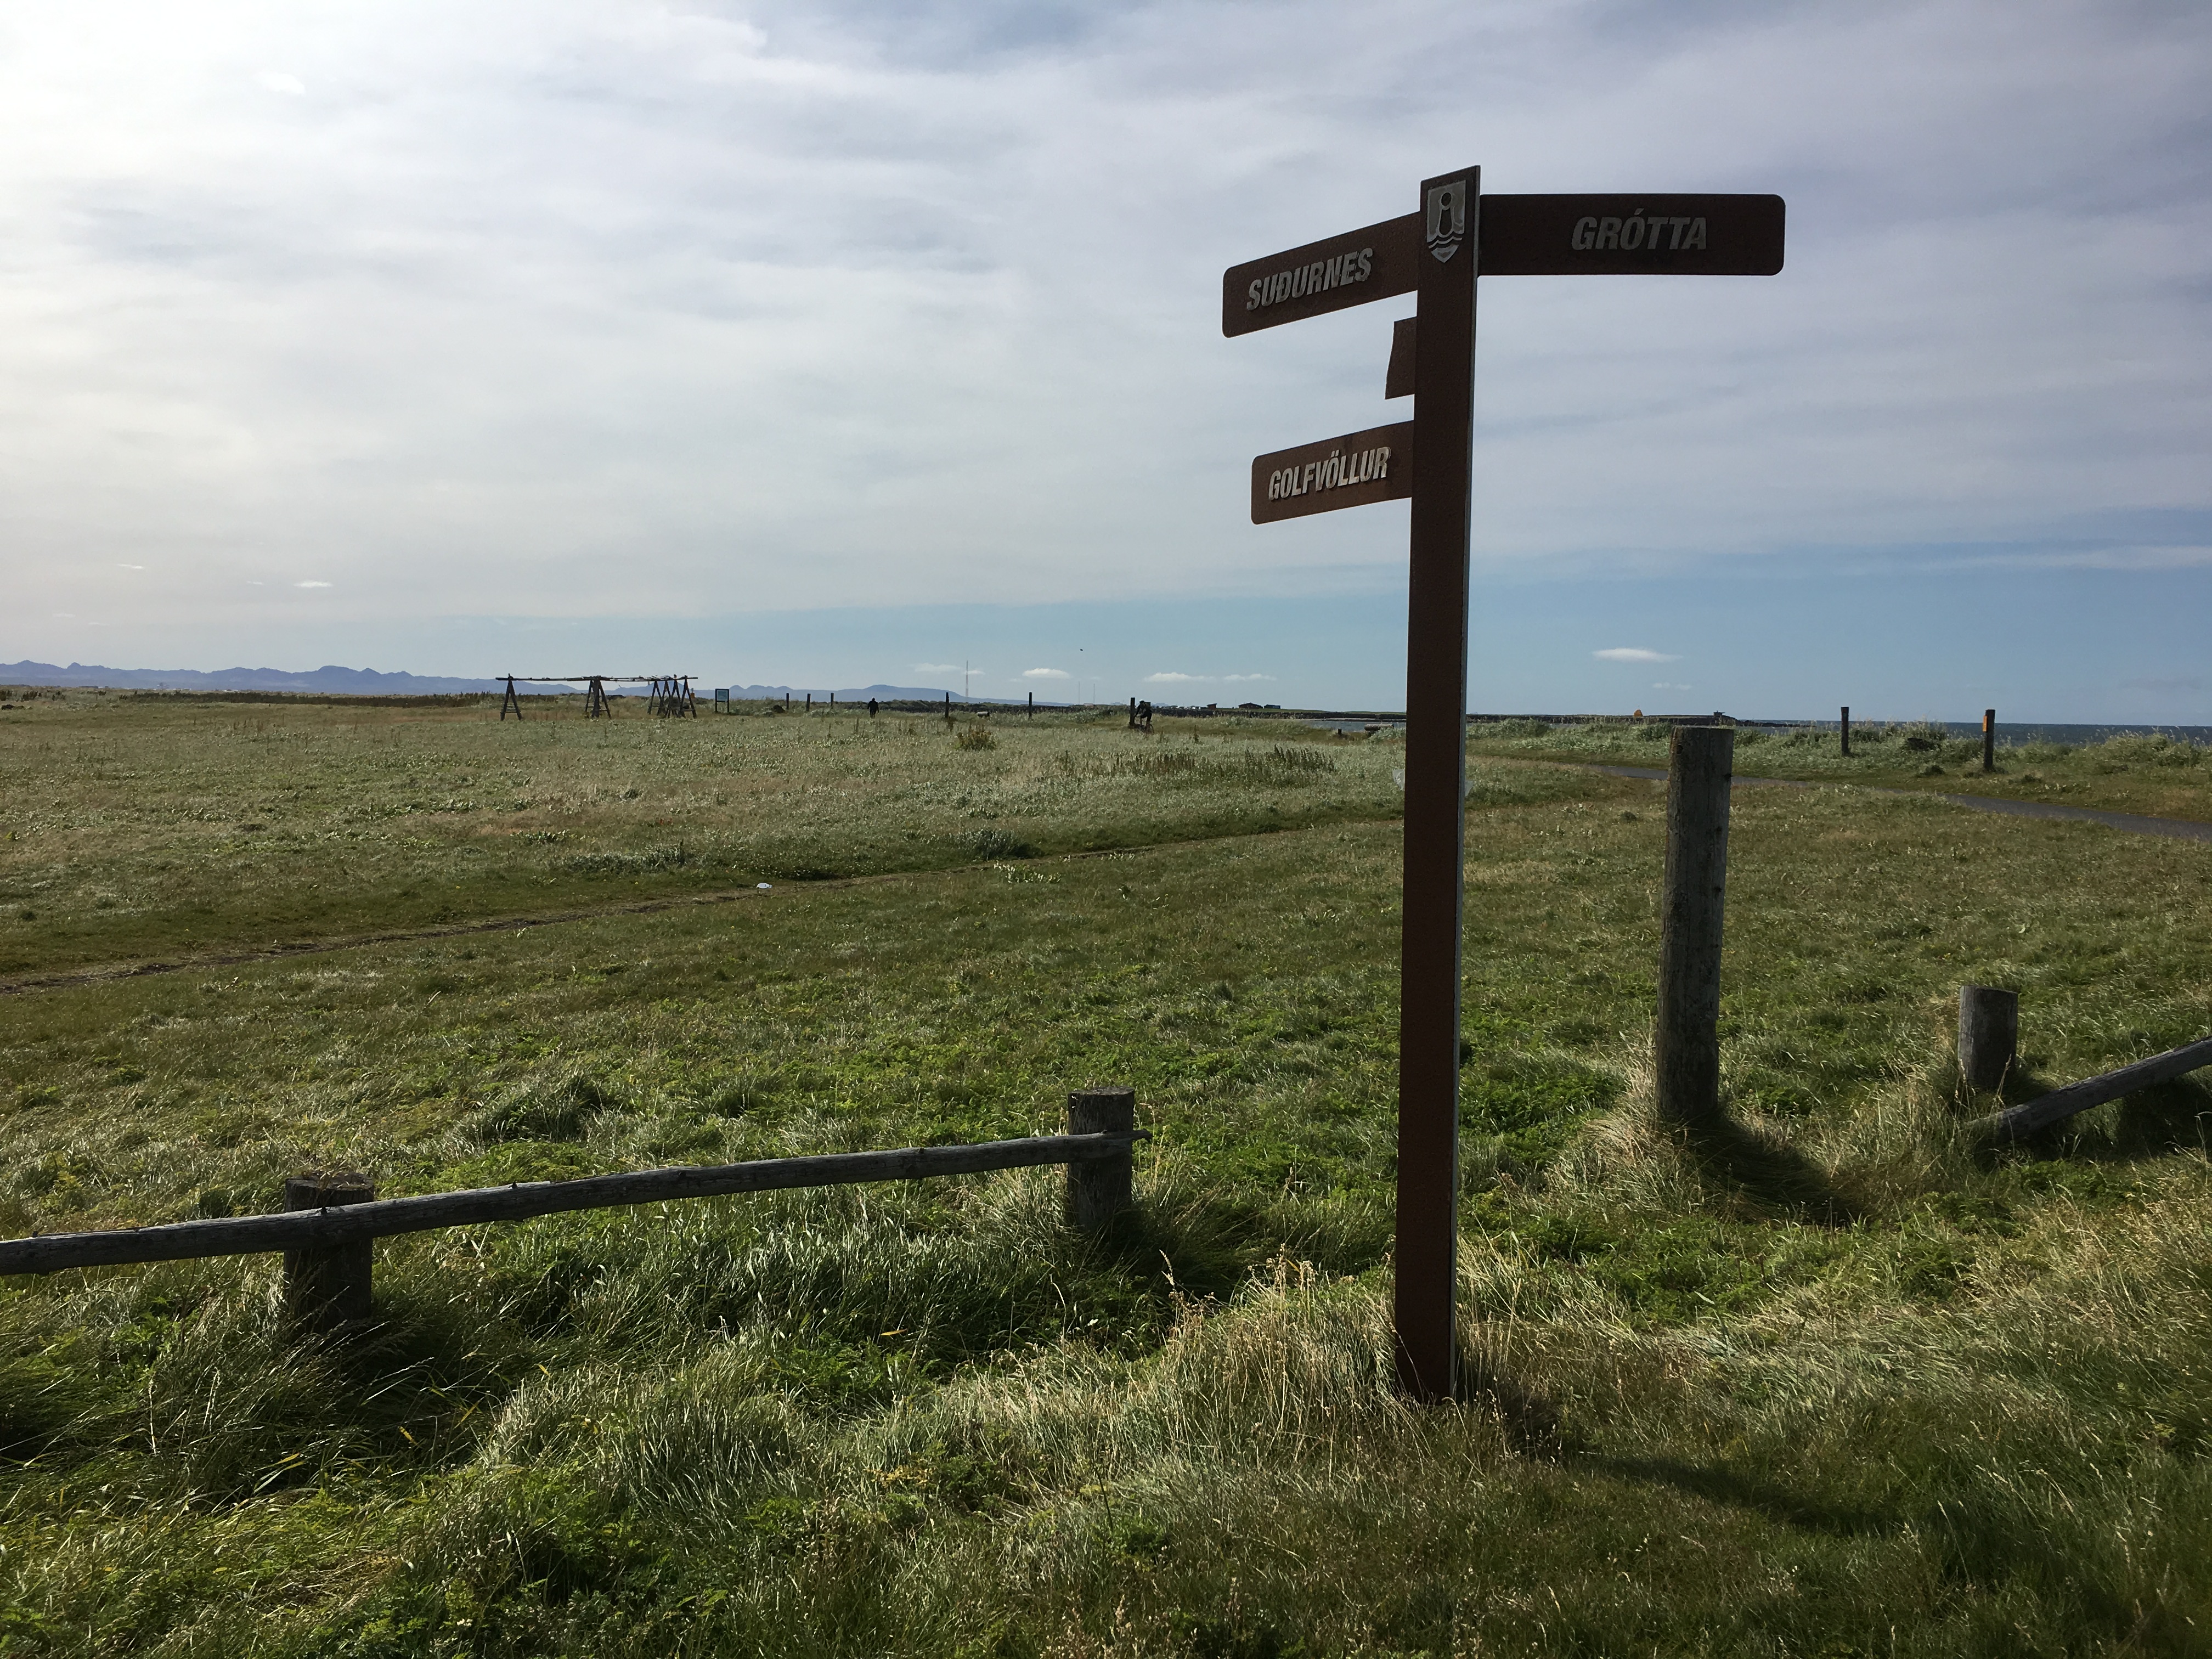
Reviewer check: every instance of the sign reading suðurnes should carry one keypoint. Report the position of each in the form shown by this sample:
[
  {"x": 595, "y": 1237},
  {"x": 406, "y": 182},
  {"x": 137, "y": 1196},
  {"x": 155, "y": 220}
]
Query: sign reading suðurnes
[
  {"x": 1373, "y": 263},
  {"x": 1360, "y": 467},
  {"x": 1650, "y": 235}
]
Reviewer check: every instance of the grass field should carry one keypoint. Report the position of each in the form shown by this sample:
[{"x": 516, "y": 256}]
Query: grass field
[
  {"x": 1839, "y": 1385},
  {"x": 143, "y": 829},
  {"x": 2151, "y": 774}
]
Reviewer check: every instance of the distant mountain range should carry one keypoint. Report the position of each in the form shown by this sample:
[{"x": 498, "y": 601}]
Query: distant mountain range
[
  {"x": 859, "y": 694},
  {"x": 331, "y": 680},
  {"x": 358, "y": 682}
]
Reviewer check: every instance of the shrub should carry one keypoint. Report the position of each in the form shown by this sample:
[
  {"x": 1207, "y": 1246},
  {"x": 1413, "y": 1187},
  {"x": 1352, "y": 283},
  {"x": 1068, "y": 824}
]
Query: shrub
[
  {"x": 1286, "y": 764},
  {"x": 538, "y": 1111},
  {"x": 975, "y": 736},
  {"x": 999, "y": 844},
  {"x": 626, "y": 864}
]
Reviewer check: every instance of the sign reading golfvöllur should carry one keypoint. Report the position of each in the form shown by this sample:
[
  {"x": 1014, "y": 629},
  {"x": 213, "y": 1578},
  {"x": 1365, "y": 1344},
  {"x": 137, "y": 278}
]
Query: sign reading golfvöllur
[{"x": 1436, "y": 253}]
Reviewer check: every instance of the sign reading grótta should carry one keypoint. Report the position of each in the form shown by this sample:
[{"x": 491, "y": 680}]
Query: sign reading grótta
[{"x": 1645, "y": 235}]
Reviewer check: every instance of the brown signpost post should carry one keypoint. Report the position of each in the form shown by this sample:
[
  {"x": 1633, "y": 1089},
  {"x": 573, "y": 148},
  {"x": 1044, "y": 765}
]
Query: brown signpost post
[{"x": 1436, "y": 253}]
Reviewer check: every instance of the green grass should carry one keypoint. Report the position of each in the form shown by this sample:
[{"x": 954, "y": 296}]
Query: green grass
[
  {"x": 145, "y": 830},
  {"x": 2162, "y": 776},
  {"x": 1838, "y": 1383}
]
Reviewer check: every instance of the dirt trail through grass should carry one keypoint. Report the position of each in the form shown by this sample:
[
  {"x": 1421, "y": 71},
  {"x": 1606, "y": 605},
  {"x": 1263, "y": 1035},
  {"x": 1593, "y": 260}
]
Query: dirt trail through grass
[
  {"x": 495, "y": 925},
  {"x": 144, "y": 832}
]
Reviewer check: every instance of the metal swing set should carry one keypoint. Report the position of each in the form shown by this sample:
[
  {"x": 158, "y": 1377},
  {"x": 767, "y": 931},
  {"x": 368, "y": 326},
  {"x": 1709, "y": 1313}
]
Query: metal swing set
[{"x": 668, "y": 696}]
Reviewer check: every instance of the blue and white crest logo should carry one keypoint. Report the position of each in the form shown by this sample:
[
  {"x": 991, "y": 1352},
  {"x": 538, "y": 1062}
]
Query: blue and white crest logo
[{"x": 1447, "y": 217}]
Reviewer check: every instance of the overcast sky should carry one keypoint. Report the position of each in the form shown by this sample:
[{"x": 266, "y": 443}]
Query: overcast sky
[{"x": 826, "y": 344}]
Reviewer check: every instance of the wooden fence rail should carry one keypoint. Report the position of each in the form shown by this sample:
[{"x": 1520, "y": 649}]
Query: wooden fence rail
[
  {"x": 308, "y": 1229},
  {"x": 2045, "y": 1110},
  {"x": 324, "y": 1233}
]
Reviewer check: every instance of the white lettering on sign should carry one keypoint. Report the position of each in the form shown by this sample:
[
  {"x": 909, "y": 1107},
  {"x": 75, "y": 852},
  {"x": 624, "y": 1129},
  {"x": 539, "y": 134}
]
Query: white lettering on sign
[
  {"x": 1661, "y": 233},
  {"x": 1335, "y": 471},
  {"x": 1316, "y": 278}
]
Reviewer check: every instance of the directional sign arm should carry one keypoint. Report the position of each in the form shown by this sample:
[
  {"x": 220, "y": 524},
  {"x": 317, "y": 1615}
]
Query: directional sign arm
[
  {"x": 1648, "y": 236},
  {"x": 1360, "y": 467},
  {"x": 1372, "y": 263},
  {"x": 1398, "y": 379}
]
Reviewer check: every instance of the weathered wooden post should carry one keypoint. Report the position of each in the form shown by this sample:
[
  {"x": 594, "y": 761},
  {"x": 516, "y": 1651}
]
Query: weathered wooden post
[
  {"x": 1098, "y": 1189},
  {"x": 327, "y": 1290},
  {"x": 1688, "y": 1056},
  {"x": 1989, "y": 740},
  {"x": 1847, "y": 730},
  {"x": 1988, "y": 1035}
]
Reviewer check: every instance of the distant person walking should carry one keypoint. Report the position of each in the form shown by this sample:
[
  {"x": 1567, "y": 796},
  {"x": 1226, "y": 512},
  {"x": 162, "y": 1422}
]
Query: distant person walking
[{"x": 872, "y": 708}]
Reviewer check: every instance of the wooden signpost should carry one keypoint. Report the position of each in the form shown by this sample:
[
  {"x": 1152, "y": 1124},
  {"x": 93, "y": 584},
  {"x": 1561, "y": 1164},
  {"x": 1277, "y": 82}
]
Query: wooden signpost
[{"x": 1435, "y": 253}]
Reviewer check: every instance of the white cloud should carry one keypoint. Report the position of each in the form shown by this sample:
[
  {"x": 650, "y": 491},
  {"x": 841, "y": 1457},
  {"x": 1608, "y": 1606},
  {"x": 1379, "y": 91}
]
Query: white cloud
[
  {"x": 1631, "y": 653},
  {"x": 1046, "y": 674},
  {"x": 940, "y": 668},
  {"x": 521, "y": 290},
  {"x": 311, "y": 583},
  {"x": 1669, "y": 685},
  {"x": 1233, "y": 679},
  {"x": 2101, "y": 558},
  {"x": 1171, "y": 677},
  {"x": 130, "y": 567}
]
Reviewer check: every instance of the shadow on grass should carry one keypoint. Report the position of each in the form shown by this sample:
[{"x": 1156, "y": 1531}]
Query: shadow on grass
[
  {"x": 1768, "y": 1170},
  {"x": 1533, "y": 1425},
  {"x": 2169, "y": 1117},
  {"x": 1737, "y": 1489},
  {"x": 2165, "y": 1118}
]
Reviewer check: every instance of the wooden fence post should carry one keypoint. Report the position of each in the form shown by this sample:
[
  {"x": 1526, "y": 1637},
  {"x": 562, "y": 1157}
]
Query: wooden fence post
[
  {"x": 327, "y": 1290},
  {"x": 1988, "y": 1035},
  {"x": 1847, "y": 730},
  {"x": 1989, "y": 740},
  {"x": 1689, "y": 1051},
  {"x": 1098, "y": 1189}
]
